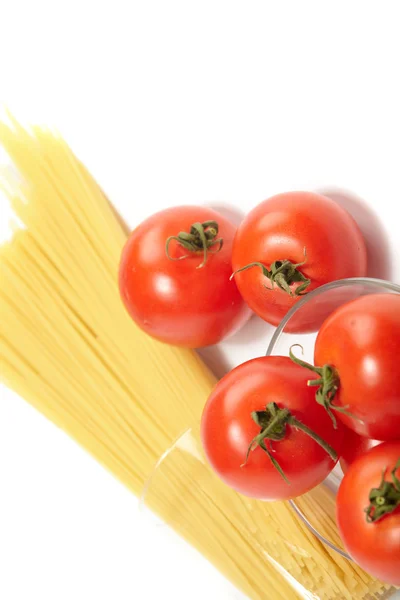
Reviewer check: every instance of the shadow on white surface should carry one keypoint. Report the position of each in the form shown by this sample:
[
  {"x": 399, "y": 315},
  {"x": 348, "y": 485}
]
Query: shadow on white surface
[
  {"x": 379, "y": 262},
  {"x": 255, "y": 335},
  {"x": 215, "y": 359},
  {"x": 252, "y": 332},
  {"x": 234, "y": 215}
]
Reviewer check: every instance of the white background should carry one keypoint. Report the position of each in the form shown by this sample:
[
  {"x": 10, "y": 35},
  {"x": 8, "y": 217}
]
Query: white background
[{"x": 215, "y": 102}]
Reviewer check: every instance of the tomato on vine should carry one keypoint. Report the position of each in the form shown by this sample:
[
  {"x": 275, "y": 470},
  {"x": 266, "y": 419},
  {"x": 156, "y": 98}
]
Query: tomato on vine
[
  {"x": 264, "y": 435},
  {"x": 289, "y": 245},
  {"x": 368, "y": 511},
  {"x": 174, "y": 277},
  {"x": 357, "y": 372}
]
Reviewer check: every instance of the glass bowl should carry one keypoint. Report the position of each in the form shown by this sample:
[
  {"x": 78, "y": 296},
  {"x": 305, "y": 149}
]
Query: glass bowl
[{"x": 312, "y": 309}]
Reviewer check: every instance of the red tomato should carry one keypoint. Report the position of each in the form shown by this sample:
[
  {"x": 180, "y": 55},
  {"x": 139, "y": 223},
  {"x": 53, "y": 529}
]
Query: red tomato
[
  {"x": 354, "y": 445},
  {"x": 282, "y": 229},
  {"x": 172, "y": 299},
  {"x": 361, "y": 341},
  {"x": 229, "y": 429},
  {"x": 374, "y": 545}
]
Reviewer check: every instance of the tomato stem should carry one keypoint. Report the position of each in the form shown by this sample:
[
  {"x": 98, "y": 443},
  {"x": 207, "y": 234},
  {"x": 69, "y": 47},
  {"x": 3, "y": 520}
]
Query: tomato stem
[
  {"x": 327, "y": 383},
  {"x": 273, "y": 421},
  {"x": 302, "y": 427},
  {"x": 201, "y": 238},
  {"x": 283, "y": 273},
  {"x": 384, "y": 499}
]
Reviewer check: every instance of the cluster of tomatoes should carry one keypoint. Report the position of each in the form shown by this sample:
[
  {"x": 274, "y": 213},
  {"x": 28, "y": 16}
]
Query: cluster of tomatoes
[{"x": 274, "y": 427}]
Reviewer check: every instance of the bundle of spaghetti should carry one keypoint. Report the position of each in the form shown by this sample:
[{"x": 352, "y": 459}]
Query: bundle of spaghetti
[
  {"x": 68, "y": 347},
  {"x": 272, "y": 529}
]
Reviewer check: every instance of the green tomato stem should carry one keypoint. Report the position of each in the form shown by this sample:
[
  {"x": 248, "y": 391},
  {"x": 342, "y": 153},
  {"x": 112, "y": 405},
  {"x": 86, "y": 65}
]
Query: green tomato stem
[
  {"x": 201, "y": 238},
  {"x": 302, "y": 427},
  {"x": 283, "y": 273},
  {"x": 386, "y": 498},
  {"x": 328, "y": 384},
  {"x": 273, "y": 422}
]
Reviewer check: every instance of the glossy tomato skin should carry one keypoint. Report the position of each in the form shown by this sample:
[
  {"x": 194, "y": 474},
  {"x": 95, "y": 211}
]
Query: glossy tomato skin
[
  {"x": 174, "y": 301},
  {"x": 227, "y": 429},
  {"x": 354, "y": 445},
  {"x": 280, "y": 228},
  {"x": 374, "y": 546},
  {"x": 362, "y": 341}
]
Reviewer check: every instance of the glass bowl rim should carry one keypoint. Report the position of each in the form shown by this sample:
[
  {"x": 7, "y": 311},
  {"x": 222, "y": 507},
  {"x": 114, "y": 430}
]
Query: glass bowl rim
[{"x": 389, "y": 285}]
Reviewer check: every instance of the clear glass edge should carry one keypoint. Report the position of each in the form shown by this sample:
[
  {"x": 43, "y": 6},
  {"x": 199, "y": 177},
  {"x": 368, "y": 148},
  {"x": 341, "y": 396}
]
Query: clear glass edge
[{"x": 393, "y": 287}]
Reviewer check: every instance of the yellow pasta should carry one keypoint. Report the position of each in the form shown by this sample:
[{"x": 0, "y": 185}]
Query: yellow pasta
[{"x": 68, "y": 347}]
